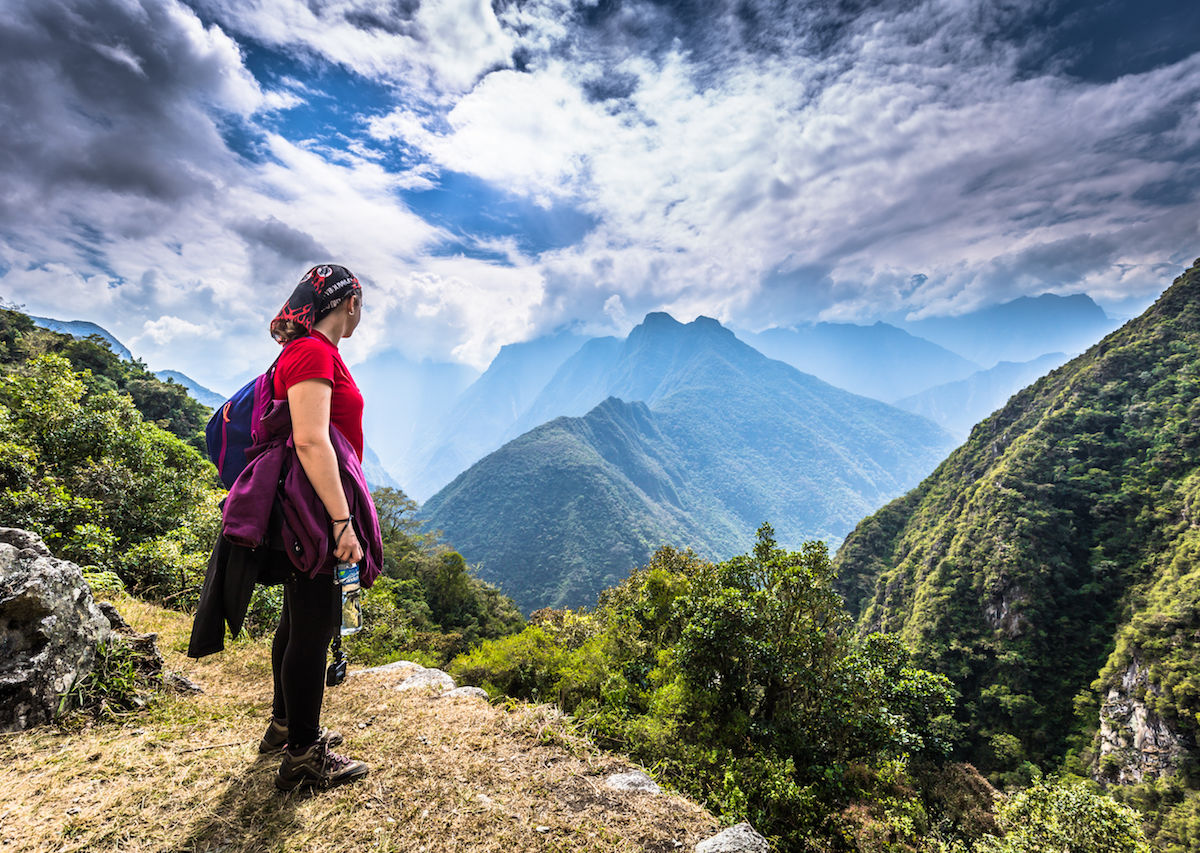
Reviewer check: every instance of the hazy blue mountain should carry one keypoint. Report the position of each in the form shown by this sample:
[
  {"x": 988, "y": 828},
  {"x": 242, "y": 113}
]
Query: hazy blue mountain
[
  {"x": 1020, "y": 330},
  {"x": 404, "y": 398},
  {"x": 81, "y": 329},
  {"x": 377, "y": 476},
  {"x": 958, "y": 406},
  {"x": 879, "y": 361},
  {"x": 580, "y": 383},
  {"x": 204, "y": 396},
  {"x": 712, "y": 439},
  {"x": 480, "y": 419}
]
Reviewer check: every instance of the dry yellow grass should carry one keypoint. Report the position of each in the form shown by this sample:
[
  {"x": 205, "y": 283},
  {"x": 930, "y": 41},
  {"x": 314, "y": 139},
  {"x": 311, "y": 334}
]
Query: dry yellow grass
[{"x": 446, "y": 775}]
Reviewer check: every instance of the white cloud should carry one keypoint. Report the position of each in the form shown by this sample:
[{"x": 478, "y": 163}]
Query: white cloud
[
  {"x": 846, "y": 177},
  {"x": 166, "y": 329},
  {"x": 754, "y": 186},
  {"x": 441, "y": 48}
]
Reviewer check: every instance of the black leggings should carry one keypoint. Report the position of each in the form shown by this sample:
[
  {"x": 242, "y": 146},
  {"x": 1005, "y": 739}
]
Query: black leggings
[{"x": 298, "y": 653}]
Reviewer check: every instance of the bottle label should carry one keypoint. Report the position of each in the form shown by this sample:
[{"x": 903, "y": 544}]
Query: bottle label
[{"x": 346, "y": 575}]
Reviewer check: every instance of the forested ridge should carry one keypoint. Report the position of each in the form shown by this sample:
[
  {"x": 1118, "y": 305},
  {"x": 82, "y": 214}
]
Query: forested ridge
[{"x": 1065, "y": 522}]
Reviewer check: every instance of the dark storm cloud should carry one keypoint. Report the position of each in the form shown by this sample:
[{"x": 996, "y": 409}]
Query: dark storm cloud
[
  {"x": 109, "y": 97},
  {"x": 395, "y": 18},
  {"x": 289, "y": 243}
]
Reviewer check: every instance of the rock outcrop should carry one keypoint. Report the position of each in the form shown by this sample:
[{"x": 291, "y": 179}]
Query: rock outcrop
[
  {"x": 634, "y": 781},
  {"x": 1136, "y": 744},
  {"x": 737, "y": 839},
  {"x": 418, "y": 677},
  {"x": 49, "y": 630}
]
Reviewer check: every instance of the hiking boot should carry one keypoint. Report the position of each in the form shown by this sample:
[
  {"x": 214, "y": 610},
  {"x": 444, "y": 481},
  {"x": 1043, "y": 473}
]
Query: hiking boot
[
  {"x": 317, "y": 767},
  {"x": 276, "y": 737}
]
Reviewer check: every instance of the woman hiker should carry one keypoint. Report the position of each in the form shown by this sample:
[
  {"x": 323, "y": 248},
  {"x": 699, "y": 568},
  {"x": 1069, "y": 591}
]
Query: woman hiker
[{"x": 327, "y": 442}]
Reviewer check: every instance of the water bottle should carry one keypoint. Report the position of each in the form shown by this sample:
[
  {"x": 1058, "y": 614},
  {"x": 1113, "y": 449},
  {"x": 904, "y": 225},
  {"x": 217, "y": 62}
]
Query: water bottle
[{"x": 346, "y": 575}]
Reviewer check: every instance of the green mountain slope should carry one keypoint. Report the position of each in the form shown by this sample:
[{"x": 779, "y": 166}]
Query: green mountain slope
[
  {"x": 1014, "y": 566},
  {"x": 719, "y": 438},
  {"x": 567, "y": 509}
]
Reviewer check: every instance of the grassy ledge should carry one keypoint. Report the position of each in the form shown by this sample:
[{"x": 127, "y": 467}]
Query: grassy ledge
[{"x": 446, "y": 774}]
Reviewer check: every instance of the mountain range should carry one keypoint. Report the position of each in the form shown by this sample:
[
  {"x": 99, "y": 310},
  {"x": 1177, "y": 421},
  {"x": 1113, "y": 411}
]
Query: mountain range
[
  {"x": 481, "y": 418},
  {"x": 700, "y": 439},
  {"x": 565, "y": 373},
  {"x": 958, "y": 406},
  {"x": 1049, "y": 565},
  {"x": 1019, "y": 330},
  {"x": 879, "y": 361}
]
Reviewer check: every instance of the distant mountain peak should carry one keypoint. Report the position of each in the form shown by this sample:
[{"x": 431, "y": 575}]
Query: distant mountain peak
[{"x": 659, "y": 320}]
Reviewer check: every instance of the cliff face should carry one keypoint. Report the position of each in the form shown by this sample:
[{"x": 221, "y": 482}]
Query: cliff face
[{"x": 1135, "y": 743}]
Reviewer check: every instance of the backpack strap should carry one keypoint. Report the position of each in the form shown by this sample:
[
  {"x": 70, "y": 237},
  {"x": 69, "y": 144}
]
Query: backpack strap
[{"x": 264, "y": 393}]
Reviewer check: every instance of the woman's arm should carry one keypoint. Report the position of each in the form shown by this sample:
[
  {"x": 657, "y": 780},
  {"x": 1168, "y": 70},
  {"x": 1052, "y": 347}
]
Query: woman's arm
[{"x": 309, "y": 402}]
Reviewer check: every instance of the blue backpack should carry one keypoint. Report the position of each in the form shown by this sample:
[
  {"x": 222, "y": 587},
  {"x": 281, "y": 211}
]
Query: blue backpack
[{"x": 235, "y": 426}]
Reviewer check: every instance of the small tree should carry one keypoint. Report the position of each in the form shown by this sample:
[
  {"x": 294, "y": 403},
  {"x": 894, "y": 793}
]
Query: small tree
[{"x": 1066, "y": 816}]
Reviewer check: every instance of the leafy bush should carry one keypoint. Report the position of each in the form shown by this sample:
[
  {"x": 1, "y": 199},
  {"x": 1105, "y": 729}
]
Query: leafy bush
[
  {"x": 101, "y": 486},
  {"x": 741, "y": 682},
  {"x": 1066, "y": 815}
]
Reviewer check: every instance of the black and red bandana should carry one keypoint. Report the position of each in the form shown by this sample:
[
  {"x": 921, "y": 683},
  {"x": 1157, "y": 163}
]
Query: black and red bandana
[{"x": 320, "y": 291}]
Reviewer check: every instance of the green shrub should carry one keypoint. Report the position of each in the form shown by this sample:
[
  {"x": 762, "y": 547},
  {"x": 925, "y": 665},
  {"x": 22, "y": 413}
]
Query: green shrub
[
  {"x": 1066, "y": 815},
  {"x": 741, "y": 683}
]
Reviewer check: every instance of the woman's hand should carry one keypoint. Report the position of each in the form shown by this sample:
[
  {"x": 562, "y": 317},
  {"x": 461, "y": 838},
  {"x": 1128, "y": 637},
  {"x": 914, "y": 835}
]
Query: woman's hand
[{"x": 348, "y": 549}]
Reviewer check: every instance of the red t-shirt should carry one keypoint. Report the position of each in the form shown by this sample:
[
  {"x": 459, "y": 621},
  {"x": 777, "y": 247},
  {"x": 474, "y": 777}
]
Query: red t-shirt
[{"x": 316, "y": 357}]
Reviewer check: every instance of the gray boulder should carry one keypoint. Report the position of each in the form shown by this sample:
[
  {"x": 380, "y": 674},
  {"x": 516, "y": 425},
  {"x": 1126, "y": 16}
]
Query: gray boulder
[
  {"x": 469, "y": 692},
  {"x": 427, "y": 679},
  {"x": 633, "y": 781},
  {"x": 49, "y": 630},
  {"x": 737, "y": 839},
  {"x": 389, "y": 667}
]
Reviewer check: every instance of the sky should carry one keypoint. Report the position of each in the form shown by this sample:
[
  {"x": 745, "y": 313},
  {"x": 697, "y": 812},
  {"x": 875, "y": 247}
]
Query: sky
[{"x": 495, "y": 172}]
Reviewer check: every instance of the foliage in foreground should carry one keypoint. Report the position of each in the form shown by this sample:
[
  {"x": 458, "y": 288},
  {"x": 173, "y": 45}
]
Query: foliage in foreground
[
  {"x": 81, "y": 466},
  {"x": 1066, "y": 815},
  {"x": 427, "y": 605},
  {"x": 165, "y": 404},
  {"x": 742, "y": 683}
]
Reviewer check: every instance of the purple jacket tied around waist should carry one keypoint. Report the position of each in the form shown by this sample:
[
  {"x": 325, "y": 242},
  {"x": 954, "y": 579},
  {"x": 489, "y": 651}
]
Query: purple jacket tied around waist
[{"x": 274, "y": 468}]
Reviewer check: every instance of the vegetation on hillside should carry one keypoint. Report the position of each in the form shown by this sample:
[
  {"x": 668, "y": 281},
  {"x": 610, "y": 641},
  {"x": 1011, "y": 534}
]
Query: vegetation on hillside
[
  {"x": 84, "y": 467},
  {"x": 740, "y": 683},
  {"x": 1053, "y": 551},
  {"x": 165, "y": 404},
  {"x": 744, "y": 684}
]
